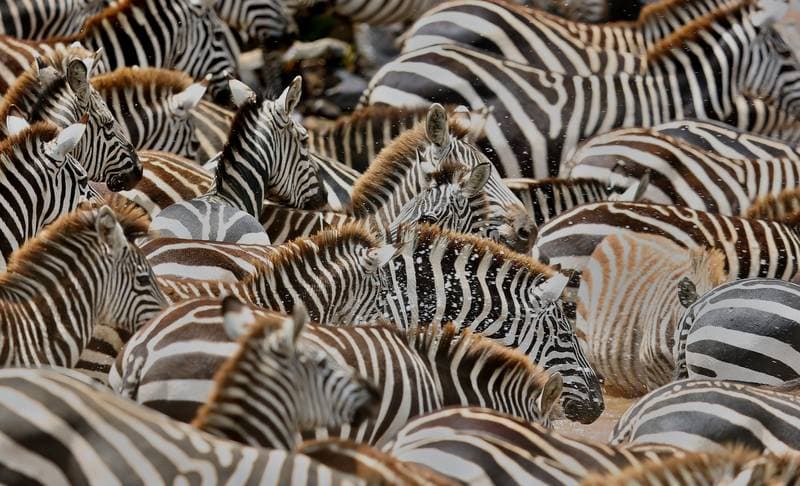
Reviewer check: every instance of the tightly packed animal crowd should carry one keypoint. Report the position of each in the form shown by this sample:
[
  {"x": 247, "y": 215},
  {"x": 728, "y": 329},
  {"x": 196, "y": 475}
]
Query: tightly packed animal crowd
[{"x": 396, "y": 242}]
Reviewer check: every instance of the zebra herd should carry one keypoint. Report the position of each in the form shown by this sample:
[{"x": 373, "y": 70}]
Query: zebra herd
[{"x": 205, "y": 281}]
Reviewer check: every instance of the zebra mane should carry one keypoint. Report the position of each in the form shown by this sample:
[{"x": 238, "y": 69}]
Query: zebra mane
[
  {"x": 45, "y": 131},
  {"x": 691, "y": 30},
  {"x": 444, "y": 345},
  {"x": 413, "y": 237},
  {"x": 28, "y": 82},
  {"x": 166, "y": 81},
  {"x": 718, "y": 466},
  {"x": 655, "y": 9},
  {"x": 265, "y": 323},
  {"x": 134, "y": 220},
  {"x": 783, "y": 207},
  {"x": 392, "y": 164}
]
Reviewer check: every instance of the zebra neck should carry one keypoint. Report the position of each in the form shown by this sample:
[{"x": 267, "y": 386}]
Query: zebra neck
[
  {"x": 239, "y": 180},
  {"x": 655, "y": 24}
]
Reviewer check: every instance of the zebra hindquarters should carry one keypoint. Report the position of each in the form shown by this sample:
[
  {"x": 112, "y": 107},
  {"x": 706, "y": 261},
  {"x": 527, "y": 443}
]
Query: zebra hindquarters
[{"x": 628, "y": 307}]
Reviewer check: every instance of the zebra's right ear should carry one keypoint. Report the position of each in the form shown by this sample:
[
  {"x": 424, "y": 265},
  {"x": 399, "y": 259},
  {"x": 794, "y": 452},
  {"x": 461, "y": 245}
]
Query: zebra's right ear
[
  {"x": 66, "y": 140},
  {"x": 290, "y": 97},
  {"x": 15, "y": 122},
  {"x": 478, "y": 177},
  {"x": 436, "y": 125},
  {"x": 241, "y": 93},
  {"x": 378, "y": 257},
  {"x": 236, "y": 317},
  {"x": 186, "y": 100},
  {"x": 78, "y": 81},
  {"x": 110, "y": 232},
  {"x": 44, "y": 72}
]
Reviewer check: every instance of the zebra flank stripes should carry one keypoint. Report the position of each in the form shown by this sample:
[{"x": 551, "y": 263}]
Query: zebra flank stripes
[{"x": 547, "y": 198}]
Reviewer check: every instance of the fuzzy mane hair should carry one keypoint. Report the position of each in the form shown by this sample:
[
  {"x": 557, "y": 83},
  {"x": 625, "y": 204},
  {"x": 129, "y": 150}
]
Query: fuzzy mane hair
[
  {"x": 28, "y": 81},
  {"x": 517, "y": 184},
  {"x": 26, "y": 261},
  {"x": 444, "y": 342},
  {"x": 411, "y": 238},
  {"x": 134, "y": 220},
  {"x": 691, "y": 30},
  {"x": 165, "y": 81},
  {"x": 394, "y": 162},
  {"x": 779, "y": 206}
]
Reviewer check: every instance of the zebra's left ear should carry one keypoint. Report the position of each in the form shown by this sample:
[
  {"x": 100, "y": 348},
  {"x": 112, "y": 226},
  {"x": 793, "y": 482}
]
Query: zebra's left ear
[
  {"x": 240, "y": 92},
  {"x": 290, "y": 97},
  {"x": 236, "y": 317},
  {"x": 78, "y": 80},
  {"x": 478, "y": 177},
  {"x": 186, "y": 100},
  {"x": 294, "y": 325},
  {"x": 553, "y": 287},
  {"x": 436, "y": 125},
  {"x": 110, "y": 232},
  {"x": 378, "y": 257},
  {"x": 15, "y": 122},
  {"x": 550, "y": 394}
]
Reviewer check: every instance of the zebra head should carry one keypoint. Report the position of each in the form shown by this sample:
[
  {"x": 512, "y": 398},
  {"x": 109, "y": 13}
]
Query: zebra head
[
  {"x": 454, "y": 200},
  {"x": 306, "y": 385},
  {"x": 509, "y": 224},
  {"x": 274, "y": 143},
  {"x": 582, "y": 396},
  {"x": 105, "y": 151},
  {"x": 132, "y": 296},
  {"x": 210, "y": 47},
  {"x": 772, "y": 71}
]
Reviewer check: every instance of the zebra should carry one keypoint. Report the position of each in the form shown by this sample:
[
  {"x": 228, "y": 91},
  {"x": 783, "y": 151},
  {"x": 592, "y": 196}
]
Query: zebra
[
  {"x": 44, "y": 93},
  {"x": 707, "y": 415},
  {"x": 480, "y": 446},
  {"x": 48, "y": 322},
  {"x": 40, "y": 182},
  {"x": 154, "y": 106},
  {"x": 783, "y": 206},
  {"x": 416, "y": 372},
  {"x": 206, "y": 260},
  {"x": 592, "y": 11},
  {"x": 628, "y": 307},
  {"x": 191, "y": 39},
  {"x": 752, "y": 248},
  {"x": 334, "y": 273},
  {"x": 544, "y": 114},
  {"x": 212, "y": 124},
  {"x": 266, "y": 156},
  {"x": 741, "y": 331},
  {"x": 95, "y": 436},
  {"x": 680, "y": 174},
  {"x": 440, "y": 276},
  {"x": 40, "y": 19}
]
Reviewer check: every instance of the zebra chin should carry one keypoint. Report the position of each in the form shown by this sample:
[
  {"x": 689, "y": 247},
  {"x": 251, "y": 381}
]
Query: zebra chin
[{"x": 584, "y": 411}]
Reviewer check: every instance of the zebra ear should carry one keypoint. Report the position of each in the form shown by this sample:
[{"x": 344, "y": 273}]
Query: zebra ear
[
  {"x": 15, "y": 122},
  {"x": 290, "y": 97},
  {"x": 378, "y": 257},
  {"x": 462, "y": 117},
  {"x": 294, "y": 325},
  {"x": 241, "y": 93},
  {"x": 78, "y": 80},
  {"x": 187, "y": 99},
  {"x": 45, "y": 73},
  {"x": 66, "y": 140},
  {"x": 236, "y": 317},
  {"x": 110, "y": 232},
  {"x": 687, "y": 292},
  {"x": 93, "y": 61},
  {"x": 553, "y": 287},
  {"x": 770, "y": 11},
  {"x": 477, "y": 179},
  {"x": 436, "y": 125},
  {"x": 550, "y": 395}
]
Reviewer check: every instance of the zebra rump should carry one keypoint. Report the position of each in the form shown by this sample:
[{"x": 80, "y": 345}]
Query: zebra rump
[
  {"x": 207, "y": 220},
  {"x": 747, "y": 330}
]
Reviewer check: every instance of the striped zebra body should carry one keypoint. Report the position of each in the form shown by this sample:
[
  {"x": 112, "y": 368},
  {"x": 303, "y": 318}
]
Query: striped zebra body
[
  {"x": 57, "y": 90},
  {"x": 137, "y": 444},
  {"x": 192, "y": 39},
  {"x": 284, "y": 224},
  {"x": 154, "y": 106},
  {"x": 763, "y": 117},
  {"x": 629, "y": 309},
  {"x": 414, "y": 374},
  {"x": 262, "y": 20},
  {"x": 543, "y": 114},
  {"x": 381, "y": 12},
  {"x": 334, "y": 273},
  {"x": 40, "y": 19},
  {"x": 708, "y": 415},
  {"x": 266, "y": 156},
  {"x": 752, "y": 248},
  {"x": 80, "y": 271},
  {"x": 479, "y": 446},
  {"x": 742, "y": 331},
  {"x": 40, "y": 183},
  {"x": 545, "y": 199},
  {"x": 679, "y": 173},
  {"x": 440, "y": 276}
]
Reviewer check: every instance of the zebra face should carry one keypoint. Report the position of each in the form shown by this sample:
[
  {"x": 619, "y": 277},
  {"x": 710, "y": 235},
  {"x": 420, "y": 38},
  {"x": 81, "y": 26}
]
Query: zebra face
[
  {"x": 121, "y": 169},
  {"x": 210, "y": 49},
  {"x": 774, "y": 72}
]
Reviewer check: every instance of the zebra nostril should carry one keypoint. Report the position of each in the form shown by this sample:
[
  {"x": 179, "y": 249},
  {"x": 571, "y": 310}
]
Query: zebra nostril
[{"x": 524, "y": 233}]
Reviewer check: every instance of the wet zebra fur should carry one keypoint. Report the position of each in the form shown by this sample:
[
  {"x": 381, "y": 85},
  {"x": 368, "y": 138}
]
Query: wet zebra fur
[
  {"x": 480, "y": 446},
  {"x": 80, "y": 271},
  {"x": 440, "y": 276},
  {"x": 124, "y": 32},
  {"x": 629, "y": 307},
  {"x": 751, "y": 247},
  {"x": 417, "y": 372},
  {"x": 57, "y": 89},
  {"x": 707, "y": 415},
  {"x": 741, "y": 331},
  {"x": 680, "y": 174},
  {"x": 539, "y": 125}
]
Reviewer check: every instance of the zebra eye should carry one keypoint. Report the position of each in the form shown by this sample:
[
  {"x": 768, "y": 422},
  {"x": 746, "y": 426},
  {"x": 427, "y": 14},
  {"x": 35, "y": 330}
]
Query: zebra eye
[
  {"x": 143, "y": 279},
  {"x": 426, "y": 218}
]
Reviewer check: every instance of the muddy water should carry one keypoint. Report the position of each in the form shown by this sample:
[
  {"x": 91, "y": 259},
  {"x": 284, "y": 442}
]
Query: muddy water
[{"x": 600, "y": 430}]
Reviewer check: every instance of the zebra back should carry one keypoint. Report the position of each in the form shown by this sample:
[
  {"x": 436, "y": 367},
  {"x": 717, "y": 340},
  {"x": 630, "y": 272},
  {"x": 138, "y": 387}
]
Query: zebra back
[
  {"x": 165, "y": 450},
  {"x": 628, "y": 307},
  {"x": 40, "y": 19},
  {"x": 547, "y": 198},
  {"x": 440, "y": 276},
  {"x": 706, "y": 416},
  {"x": 155, "y": 107}
]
